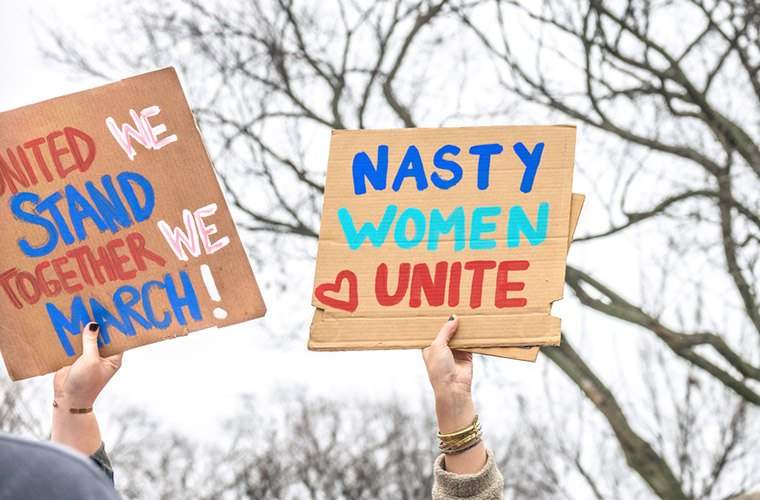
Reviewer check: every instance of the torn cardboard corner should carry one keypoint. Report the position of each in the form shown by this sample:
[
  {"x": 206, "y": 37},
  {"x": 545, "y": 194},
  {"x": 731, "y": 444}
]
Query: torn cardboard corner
[
  {"x": 418, "y": 224},
  {"x": 111, "y": 212},
  {"x": 530, "y": 353}
]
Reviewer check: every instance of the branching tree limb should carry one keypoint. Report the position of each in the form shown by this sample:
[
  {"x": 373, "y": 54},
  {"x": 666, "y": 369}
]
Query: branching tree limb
[{"x": 638, "y": 453}]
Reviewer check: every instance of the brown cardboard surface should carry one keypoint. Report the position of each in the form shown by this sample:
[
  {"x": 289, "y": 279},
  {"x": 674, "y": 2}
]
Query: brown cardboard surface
[
  {"x": 530, "y": 353},
  {"x": 349, "y": 314},
  {"x": 63, "y": 154}
]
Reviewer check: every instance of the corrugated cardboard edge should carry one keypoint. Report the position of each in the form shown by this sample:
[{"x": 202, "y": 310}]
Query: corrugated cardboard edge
[{"x": 484, "y": 331}]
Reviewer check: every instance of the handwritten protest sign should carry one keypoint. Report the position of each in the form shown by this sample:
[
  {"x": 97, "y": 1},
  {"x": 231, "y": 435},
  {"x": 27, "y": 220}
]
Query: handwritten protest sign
[
  {"x": 418, "y": 224},
  {"x": 111, "y": 212}
]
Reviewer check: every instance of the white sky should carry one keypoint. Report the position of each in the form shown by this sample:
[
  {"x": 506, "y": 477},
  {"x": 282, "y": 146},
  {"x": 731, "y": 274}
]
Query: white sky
[{"x": 194, "y": 381}]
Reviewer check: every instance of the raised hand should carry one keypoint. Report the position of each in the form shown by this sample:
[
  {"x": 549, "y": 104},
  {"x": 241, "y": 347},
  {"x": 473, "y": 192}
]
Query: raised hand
[
  {"x": 75, "y": 389},
  {"x": 450, "y": 374}
]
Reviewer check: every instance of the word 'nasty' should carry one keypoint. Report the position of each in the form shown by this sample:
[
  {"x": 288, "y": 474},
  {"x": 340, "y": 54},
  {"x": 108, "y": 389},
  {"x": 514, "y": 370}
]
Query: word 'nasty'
[{"x": 444, "y": 160}]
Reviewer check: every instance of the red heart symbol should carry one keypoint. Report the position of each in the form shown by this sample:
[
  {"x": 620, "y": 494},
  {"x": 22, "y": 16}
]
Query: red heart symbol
[{"x": 353, "y": 294}]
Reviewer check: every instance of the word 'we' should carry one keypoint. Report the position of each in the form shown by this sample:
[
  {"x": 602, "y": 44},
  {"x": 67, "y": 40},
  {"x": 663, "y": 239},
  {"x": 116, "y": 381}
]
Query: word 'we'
[
  {"x": 197, "y": 234},
  {"x": 143, "y": 131}
]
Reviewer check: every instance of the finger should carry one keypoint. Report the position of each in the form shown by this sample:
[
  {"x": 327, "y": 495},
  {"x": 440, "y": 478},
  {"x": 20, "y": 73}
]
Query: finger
[
  {"x": 90, "y": 341},
  {"x": 447, "y": 331}
]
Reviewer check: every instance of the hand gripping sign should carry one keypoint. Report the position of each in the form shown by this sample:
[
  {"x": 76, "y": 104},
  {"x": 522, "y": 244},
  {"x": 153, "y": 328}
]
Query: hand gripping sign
[
  {"x": 111, "y": 212},
  {"x": 419, "y": 224}
]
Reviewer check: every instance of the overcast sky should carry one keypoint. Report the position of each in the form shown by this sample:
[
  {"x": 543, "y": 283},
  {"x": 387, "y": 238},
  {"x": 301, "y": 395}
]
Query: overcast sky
[{"x": 194, "y": 380}]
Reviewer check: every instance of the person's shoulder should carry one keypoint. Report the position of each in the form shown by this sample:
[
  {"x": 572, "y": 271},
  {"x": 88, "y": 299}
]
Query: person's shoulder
[
  {"x": 44, "y": 450},
  {"x": 34, "y": 468}
]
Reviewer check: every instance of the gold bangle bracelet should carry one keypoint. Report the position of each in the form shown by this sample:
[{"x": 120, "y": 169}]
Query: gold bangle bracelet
[
  {"x": 469, "y": 446},
  {"x": 459, "y": 437},
  {"x": 461, "y": 432},
  {"x": 463, "y": 441},
  {"x": 453, "y": 443}
]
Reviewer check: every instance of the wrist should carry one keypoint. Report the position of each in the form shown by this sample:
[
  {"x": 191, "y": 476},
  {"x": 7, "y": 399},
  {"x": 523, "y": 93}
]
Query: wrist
[
  {"x": 77, "y": 431},
  {"x": 68, "y": 401},
  {"x": 454, "y": 412}
]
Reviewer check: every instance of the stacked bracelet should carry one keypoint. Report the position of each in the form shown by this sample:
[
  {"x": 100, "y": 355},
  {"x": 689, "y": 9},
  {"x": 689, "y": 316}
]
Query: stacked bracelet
[{"x": 462, "y": 440}]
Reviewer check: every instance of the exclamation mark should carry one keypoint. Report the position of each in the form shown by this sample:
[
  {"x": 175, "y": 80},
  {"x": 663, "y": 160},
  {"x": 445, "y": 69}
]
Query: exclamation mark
[{"x": 213, "y": 291}]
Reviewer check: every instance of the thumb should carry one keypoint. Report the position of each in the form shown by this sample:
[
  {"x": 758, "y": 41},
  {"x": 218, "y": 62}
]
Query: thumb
[
  {"x": 90, "y": 341},
  {"x": 447, "y": 331}
]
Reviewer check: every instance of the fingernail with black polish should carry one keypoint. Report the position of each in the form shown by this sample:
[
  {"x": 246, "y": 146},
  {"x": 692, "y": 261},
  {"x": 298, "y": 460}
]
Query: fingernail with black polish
[
  {"x": 94, "y": 327},
  {"x": 451, "y": 318}
]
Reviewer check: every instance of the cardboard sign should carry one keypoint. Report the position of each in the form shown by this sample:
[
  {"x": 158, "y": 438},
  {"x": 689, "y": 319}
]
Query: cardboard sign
[
  {"x": 419, "y": 224},
  {"x": 111, "y": 212}
]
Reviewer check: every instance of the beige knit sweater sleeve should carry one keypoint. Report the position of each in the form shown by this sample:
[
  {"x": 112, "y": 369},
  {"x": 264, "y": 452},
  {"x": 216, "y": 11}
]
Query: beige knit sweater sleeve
[{"x": 488, "y": 484}]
